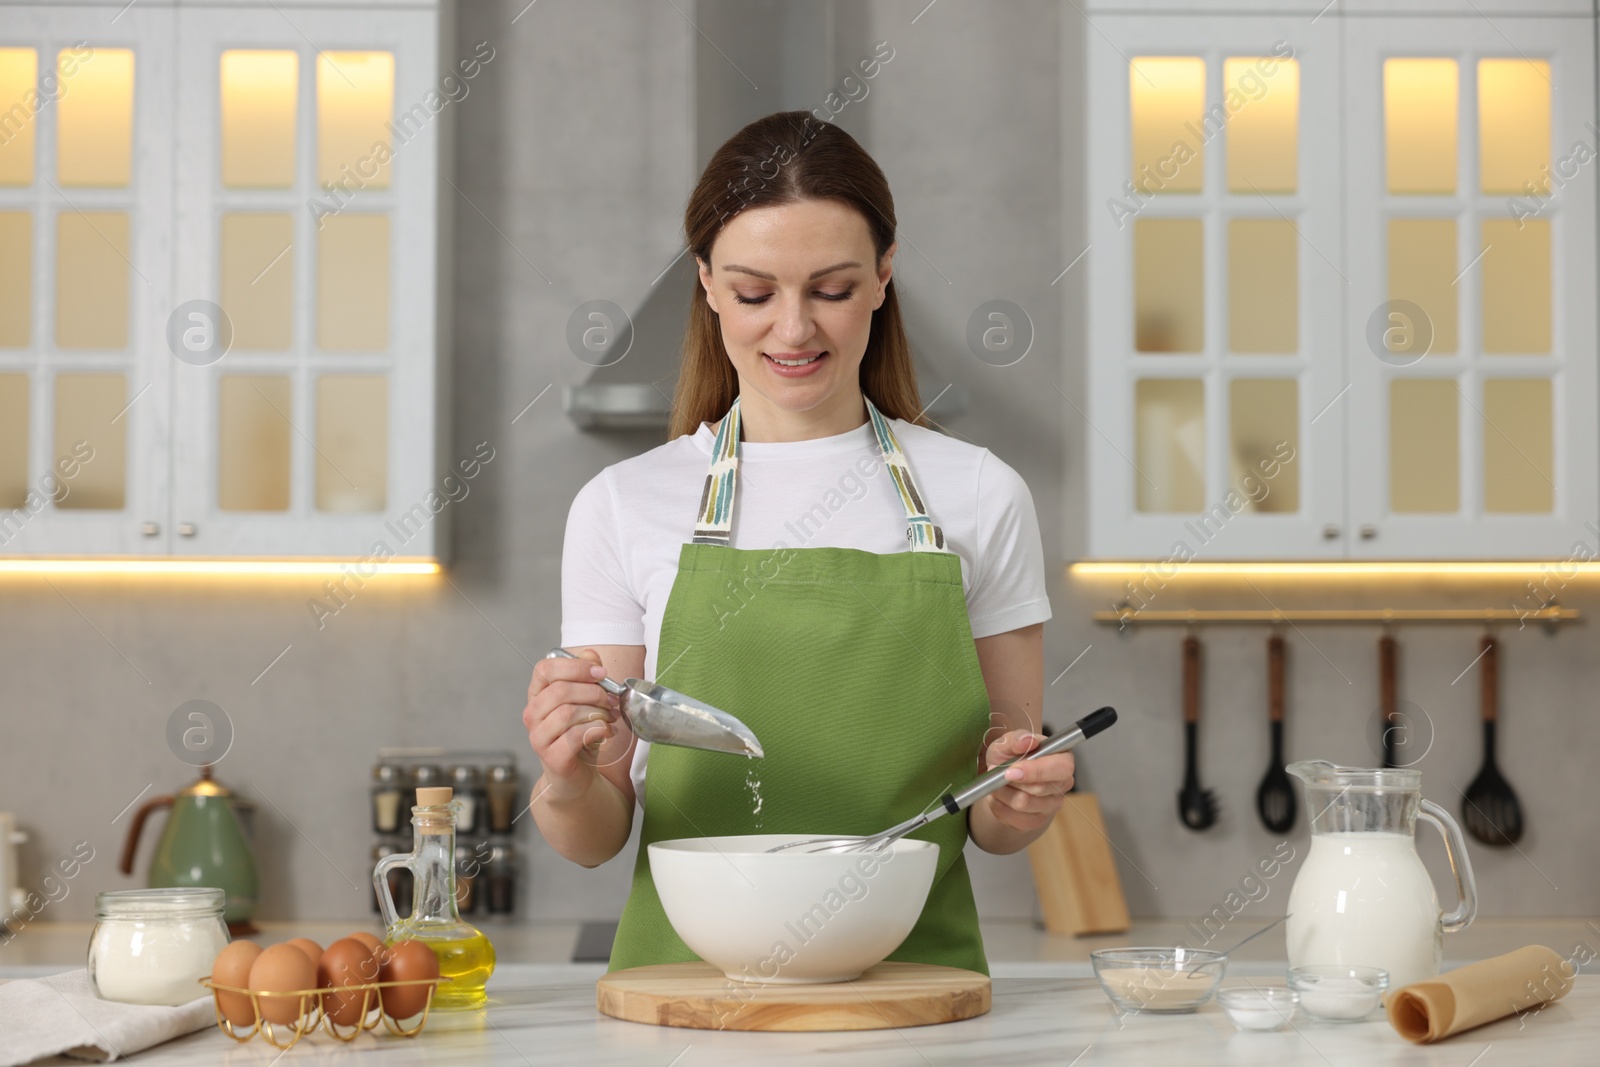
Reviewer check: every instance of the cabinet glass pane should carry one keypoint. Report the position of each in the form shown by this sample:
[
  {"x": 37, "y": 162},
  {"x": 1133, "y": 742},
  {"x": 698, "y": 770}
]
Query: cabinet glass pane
[
  {"x": 19, "y": 107},
  {"x": 259, "y": 93},
  {"x": 16, "y": 278},
  {"x": 94, "y": 132},
  {"x": 1263, "y": 286},
  {"x": 1263, "y": 96},
  {"x": 1167, "y": 102},
  {"x": 353, "y": 283},
  {"x": 1419, "y": 117},
  {"x": 92, "y": 279},
  {"x": 258, "y": 280},
  {"x": 1514, "y": 125},
  {"x": 352, "y": 442},
  {"x": 355, "y": 103},
  {"x": 1424, "y": 446},
  {"x": 1516, "y": 285},
  {"x": 253, "y": 443},
  {"x": 1168, "y": 285},
  {"x": 1263, "y": 430},
  {"x": 14, "y": 409},
  {"x": 1422, "y": 271},
  {"x": 1170, "y": 448},
  {"x": 1518, "y": 446},
  {"x": 91, "y": 432}
]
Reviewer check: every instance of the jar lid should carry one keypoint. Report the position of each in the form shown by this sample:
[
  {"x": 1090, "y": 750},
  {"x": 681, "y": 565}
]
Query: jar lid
[
  {"x": 465, "y": 773},
  {"x": 502, "y": 772},
  {"x": 388, "y": 773},
  {"x": 165, "y": 903},
  {"x": 426, "y": 774}
]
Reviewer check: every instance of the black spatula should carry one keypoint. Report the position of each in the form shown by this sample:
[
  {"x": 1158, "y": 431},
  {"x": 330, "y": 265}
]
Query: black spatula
[
  {"x": 1490, "y": 808},
  {"x": 1197, "y": 807},
  {"x": 1275, "y": 798}
]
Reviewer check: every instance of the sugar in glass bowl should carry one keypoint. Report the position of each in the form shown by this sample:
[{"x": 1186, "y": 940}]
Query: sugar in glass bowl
[{"x": 1166, "y": 980}]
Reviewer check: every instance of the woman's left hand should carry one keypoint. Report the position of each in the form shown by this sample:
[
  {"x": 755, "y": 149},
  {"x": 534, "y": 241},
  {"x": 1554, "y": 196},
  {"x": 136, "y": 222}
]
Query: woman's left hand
[{"x": 1035, "y": 789}]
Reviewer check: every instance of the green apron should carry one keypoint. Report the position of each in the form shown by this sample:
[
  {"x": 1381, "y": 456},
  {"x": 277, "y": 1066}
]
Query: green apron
[{"x": 858, "y": 673}]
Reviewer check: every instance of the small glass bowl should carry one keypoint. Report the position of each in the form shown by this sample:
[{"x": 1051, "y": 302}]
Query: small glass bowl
[
  {"x": 1338, "y": 992},
  {"x": 1266, "y": 1008},
  {"x": 1161, "y": 980}
]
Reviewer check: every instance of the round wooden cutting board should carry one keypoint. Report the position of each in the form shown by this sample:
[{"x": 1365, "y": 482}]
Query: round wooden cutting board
[{"x": 698, "y": 996}]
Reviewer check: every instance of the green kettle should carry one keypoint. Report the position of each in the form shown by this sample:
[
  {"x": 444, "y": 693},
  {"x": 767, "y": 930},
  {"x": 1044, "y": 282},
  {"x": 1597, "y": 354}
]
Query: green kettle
[{"x": 201, "y": 845}]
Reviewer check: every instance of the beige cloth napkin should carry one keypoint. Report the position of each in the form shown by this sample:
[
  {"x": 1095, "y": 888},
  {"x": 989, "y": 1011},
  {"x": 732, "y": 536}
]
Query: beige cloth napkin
[
  {"x": 1478, "y": 993},
  {"x": 61, "y": 1016}
]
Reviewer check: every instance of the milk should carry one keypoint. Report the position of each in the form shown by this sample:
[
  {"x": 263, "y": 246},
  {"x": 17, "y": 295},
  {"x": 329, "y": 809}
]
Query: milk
[{"x": 1365, "y": 899}]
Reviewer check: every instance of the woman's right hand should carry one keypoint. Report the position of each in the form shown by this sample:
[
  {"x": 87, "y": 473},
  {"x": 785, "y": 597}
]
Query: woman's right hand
[{"x": 568, "y": 718}]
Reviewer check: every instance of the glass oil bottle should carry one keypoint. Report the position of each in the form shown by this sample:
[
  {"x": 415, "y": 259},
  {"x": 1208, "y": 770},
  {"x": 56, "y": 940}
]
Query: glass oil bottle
[{"x": 466, "y": 957}]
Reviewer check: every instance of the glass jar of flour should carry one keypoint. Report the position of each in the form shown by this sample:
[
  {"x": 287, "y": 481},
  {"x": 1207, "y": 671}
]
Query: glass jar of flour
[{"x": 152, "y": 946}]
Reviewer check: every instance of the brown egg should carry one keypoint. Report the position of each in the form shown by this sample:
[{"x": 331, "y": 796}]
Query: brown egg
[
  {"x": 233, "y": 968},
  {"x": 370, "y": 941},
  {"x": 281, "y": 969},
  {"x": 312, "y": 950},
  {"x": 347, "y": 962},
  {"x": 406, "y": 961}
]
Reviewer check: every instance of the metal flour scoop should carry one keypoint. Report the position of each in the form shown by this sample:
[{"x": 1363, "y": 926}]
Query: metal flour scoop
[{"x": 664, "y": 716}]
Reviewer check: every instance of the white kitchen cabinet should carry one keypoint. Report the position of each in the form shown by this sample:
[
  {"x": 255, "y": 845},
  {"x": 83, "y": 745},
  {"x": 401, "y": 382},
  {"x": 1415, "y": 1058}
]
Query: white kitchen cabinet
[
  {"x": 287, "y": 171},
  {"x": 1245, "y": 247},
  {"x": 86, "y": 164},
  {"x": 1486, "y": 446}
]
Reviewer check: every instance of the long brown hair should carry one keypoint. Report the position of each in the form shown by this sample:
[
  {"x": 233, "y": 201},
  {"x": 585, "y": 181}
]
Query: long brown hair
[{"x": 787, "y": 157}]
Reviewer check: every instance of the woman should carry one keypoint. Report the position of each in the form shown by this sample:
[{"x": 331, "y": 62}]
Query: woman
[{"x": 875, "y": 677}]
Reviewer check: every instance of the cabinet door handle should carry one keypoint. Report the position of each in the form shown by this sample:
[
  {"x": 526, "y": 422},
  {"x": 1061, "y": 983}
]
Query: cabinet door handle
[
  {"x": 1368, "y": 532},
  {"x": 187, "y": 529},
  {"x": 150, "y": 529},
  {"x": 1330, "y": 532}
]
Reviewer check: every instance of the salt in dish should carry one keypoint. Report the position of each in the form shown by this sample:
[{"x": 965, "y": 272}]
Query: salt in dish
[{"x": 1266, "y": 1008}]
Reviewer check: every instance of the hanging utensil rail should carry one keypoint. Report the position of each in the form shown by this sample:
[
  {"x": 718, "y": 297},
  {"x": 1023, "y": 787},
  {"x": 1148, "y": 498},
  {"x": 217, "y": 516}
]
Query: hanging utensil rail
[{"x": 1552, "y": 614}]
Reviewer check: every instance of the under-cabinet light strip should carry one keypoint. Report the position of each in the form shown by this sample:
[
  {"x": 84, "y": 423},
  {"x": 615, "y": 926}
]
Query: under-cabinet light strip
[
  {"x": 243, "y": 568},
  {"x": 1172, "y": 569}
]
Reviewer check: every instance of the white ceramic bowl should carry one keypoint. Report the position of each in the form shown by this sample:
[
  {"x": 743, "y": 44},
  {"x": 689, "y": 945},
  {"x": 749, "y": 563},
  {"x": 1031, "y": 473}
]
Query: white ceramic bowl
[{"x": 790, "y": 917}]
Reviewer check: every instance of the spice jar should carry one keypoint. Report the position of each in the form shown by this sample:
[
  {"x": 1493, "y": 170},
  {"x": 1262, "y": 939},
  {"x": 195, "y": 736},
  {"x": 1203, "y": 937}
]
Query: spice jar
[
  {"x": 469, "y": 869},
  {"x": 388, "y": 787},
  {"x": 502, "y": 791},
  {"x": 501, "y": 874},
  {"x": 466, "y": 783},
  {"x": 152, "y": 946}
]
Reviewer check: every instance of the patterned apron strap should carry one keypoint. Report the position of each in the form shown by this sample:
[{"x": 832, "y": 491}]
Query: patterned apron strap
[{"x": 714, "y": 526}]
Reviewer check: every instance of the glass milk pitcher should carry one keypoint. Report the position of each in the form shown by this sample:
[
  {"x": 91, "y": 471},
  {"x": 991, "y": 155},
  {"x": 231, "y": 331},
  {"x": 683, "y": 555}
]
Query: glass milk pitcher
[{"x": 1362, "y": 896}]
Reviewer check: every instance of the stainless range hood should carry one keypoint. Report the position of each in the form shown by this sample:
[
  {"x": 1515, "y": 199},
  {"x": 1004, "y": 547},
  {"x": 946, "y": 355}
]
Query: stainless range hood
[{"x": 792, "y": 52}]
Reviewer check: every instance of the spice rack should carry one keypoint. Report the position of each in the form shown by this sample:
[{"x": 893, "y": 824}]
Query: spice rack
[{"x": 489, "y": 786}]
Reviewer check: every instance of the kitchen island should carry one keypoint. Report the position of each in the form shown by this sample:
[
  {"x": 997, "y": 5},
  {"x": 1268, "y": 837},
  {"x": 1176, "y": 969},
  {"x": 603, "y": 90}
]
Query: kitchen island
[{"x": 545, "y": 1014}]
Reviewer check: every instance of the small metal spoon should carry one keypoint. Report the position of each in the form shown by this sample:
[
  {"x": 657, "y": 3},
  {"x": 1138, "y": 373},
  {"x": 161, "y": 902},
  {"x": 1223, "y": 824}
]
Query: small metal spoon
[
  {"x": 1271, "y": 925},
  {"x": 665, "y": 716}
]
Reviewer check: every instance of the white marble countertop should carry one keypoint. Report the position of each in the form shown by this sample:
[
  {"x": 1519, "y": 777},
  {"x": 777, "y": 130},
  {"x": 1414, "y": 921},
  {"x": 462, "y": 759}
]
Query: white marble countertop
[{"x": 545, "y": 1014}]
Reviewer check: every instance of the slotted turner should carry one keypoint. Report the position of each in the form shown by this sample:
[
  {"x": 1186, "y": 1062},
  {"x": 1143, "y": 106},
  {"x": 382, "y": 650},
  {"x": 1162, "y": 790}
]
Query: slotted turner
[
  {"x": 1490, "y": 807},
  {"x": 1275, "y": 798},
  {"x": 1197, "y": 807}
]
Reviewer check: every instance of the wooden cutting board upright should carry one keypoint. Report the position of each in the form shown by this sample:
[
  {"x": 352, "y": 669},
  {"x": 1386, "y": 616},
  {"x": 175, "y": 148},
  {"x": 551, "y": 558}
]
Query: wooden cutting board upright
[
  {"x": 1074, "y": 873},
  {"x": 698, "y": 996}
]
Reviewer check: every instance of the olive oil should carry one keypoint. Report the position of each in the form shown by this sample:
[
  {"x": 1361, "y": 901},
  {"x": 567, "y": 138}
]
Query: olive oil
[
  {"x": 466, "y": 958},
  {"x": 466, "y": 964}
]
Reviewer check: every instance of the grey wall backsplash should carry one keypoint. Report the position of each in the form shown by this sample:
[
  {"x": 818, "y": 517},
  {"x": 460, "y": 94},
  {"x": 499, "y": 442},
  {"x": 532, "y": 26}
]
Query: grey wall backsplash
[{"x": 574, "y": 155}]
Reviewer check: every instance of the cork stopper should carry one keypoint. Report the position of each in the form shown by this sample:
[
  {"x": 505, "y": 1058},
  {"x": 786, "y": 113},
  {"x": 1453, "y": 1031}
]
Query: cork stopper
[
  {"x": 434, "y": 796},
  {"x": 434, "y": 822}
]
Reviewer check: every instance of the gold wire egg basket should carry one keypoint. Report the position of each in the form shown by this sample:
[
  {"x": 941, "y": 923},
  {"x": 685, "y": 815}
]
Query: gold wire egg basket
[{"x": 312, "y": 1014}]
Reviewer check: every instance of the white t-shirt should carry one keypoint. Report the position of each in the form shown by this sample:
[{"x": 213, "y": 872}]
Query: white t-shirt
[{"x": 628, "y": 523}]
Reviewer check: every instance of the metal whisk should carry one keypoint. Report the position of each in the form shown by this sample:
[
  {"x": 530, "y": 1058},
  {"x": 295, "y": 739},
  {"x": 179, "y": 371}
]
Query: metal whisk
[{"x": 951, "y": 803}]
